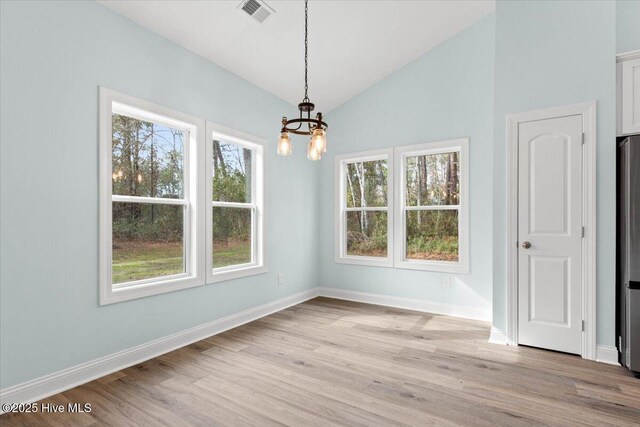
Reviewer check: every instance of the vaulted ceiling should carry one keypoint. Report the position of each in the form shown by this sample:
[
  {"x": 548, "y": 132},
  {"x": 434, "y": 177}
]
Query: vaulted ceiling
[{"x": 352, "y": 44}]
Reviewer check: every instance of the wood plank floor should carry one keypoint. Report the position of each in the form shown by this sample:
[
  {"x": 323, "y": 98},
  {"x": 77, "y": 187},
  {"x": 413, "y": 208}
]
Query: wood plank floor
[{"x": 330, "y": 362}]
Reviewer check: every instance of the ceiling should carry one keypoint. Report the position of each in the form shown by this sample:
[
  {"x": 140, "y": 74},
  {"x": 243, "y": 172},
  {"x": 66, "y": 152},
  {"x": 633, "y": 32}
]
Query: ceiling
[{"x": 352, "y": 44}]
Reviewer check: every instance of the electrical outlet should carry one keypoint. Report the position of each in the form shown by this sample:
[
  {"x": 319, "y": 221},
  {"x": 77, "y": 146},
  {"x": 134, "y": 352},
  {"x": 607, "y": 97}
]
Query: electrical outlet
[
  {"x": 446, "y": 281},
  {"x": 280, "y": 278}
]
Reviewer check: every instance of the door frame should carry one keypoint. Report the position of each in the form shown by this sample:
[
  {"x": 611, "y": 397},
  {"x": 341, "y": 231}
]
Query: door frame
[{"x": 588, "y": 112}]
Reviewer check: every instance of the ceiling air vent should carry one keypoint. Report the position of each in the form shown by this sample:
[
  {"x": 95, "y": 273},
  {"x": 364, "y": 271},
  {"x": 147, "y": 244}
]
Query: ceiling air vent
[{"x": 256, "y": 9}]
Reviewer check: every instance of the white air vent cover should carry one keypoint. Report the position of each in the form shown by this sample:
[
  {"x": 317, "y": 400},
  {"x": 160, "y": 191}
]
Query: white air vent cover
[{"x": 256, "y": 9}]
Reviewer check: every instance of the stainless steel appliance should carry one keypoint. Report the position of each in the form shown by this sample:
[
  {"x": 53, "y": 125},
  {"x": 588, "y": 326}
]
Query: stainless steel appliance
[{"x": 628, "y": 253}]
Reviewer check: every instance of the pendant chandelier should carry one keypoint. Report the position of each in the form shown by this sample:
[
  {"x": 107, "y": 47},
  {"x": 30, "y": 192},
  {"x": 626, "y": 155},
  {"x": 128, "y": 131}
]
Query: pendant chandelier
[{"x": 305, "y": 125}]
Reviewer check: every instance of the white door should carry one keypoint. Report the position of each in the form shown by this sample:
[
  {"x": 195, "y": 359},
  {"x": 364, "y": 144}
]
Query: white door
[{"x": 550, "y": 233}]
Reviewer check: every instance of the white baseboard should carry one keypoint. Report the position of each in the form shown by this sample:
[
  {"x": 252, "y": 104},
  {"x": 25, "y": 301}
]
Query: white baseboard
[
  {"x": 498, "y": 337},
  {"x": 407, "y": 303},
  {"x": 57, "y": 382},
  {"x": 604, "y": 353},
  {"x": 607, "y": 354}
]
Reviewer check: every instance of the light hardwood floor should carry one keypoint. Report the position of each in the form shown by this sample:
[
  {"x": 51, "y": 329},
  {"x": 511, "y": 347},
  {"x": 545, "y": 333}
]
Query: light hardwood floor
[{"x": 331, "y": 362}]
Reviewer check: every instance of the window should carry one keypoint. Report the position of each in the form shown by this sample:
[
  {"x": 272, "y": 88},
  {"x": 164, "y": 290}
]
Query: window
[
  {"x": 432, "y": 211},
  {"x": 149, "y": 199},
  {"x": 424, "y": 226},
  {"x": 364, "y": 231},
  {"x": 237, "y": 208}
]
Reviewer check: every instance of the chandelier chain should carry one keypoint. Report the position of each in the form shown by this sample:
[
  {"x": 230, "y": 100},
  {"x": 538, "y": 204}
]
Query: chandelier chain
[
  {"x": 297, "y": 126},
  {"x": 306, "y": 49}
]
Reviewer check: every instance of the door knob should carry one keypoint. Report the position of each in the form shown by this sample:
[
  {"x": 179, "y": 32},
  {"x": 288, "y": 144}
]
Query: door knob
[{"x": 526, "y": 245}]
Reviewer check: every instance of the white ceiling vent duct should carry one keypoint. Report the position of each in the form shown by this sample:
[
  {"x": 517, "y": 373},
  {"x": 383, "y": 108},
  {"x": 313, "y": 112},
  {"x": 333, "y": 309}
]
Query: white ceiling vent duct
[{"x": 256, "y": 9}]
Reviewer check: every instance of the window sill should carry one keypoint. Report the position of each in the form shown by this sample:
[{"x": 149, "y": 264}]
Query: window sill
[
  {"x": 111, "y": 295},
  {"x": 217, "y": 276},
  {"x": 363, "y": 260}
]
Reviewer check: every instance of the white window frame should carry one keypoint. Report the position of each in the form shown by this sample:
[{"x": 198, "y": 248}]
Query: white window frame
[
  {"x": 342, "y": 209},
  {"x": 258, "y": 265},
  {"x": 194, "y": 275},
  {"x": 400, "y": 154}
]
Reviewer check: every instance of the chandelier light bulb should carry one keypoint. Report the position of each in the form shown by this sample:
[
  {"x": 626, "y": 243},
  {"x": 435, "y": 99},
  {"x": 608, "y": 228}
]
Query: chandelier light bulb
[
  {"x": 319, "y": 140},
  {"x": 312, "y": 153},
  {"x": 284, "y": 144}
]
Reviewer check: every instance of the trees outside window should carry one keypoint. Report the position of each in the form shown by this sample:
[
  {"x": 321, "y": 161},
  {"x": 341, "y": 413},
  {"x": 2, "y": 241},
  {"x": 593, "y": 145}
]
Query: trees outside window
[
  {"x": 149, "y": 199},
  {"x": 181, "y": 200},
  {"x": 432, "y": 213},
  {"x": 363, "y": 197},
  {"x": 233, "y": 208},
  {"x": 366, "y": 199},
  {"x": 424, "y": 226},
  {"x": 237, "y": 208},
  {"x": 432, "y": 203},
  {"x": 148, "y": 235}
]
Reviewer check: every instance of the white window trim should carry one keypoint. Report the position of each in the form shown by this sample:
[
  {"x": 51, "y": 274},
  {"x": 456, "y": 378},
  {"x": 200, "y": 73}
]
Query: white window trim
[
  {"x": 194, "y": 191},
  {"x": 341, "y": 209},
  {"x": 400, "y": 154},
  {"x": 258, "y": 185}
]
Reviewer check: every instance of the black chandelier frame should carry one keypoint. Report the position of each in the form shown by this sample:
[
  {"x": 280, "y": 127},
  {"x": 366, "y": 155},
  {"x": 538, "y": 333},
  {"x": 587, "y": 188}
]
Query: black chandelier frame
[{"x": 296, "y": 126}]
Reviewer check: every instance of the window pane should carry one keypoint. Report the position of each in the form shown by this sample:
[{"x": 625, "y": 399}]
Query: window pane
[
  {"x": 231, "y": 173},
  {"x": 367, "y": 233},
  {"x": 432, "y": 235},
  {"x": 231, "y": 236},
  {"x": 367, "y": 184},
  {"x": 147, "y": 158},
  {"x": 147, "y": 241},
  {"x": 433, "y": 179}
]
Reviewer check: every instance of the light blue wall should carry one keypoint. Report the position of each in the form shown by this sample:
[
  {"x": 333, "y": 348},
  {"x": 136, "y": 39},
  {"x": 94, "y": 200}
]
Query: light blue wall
[
  {"x": 550, "y": 54},
  {"x": 54, "y": 55},
  {"x": 447, "y": 93},
  {"x": 627, "y": 25}
]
